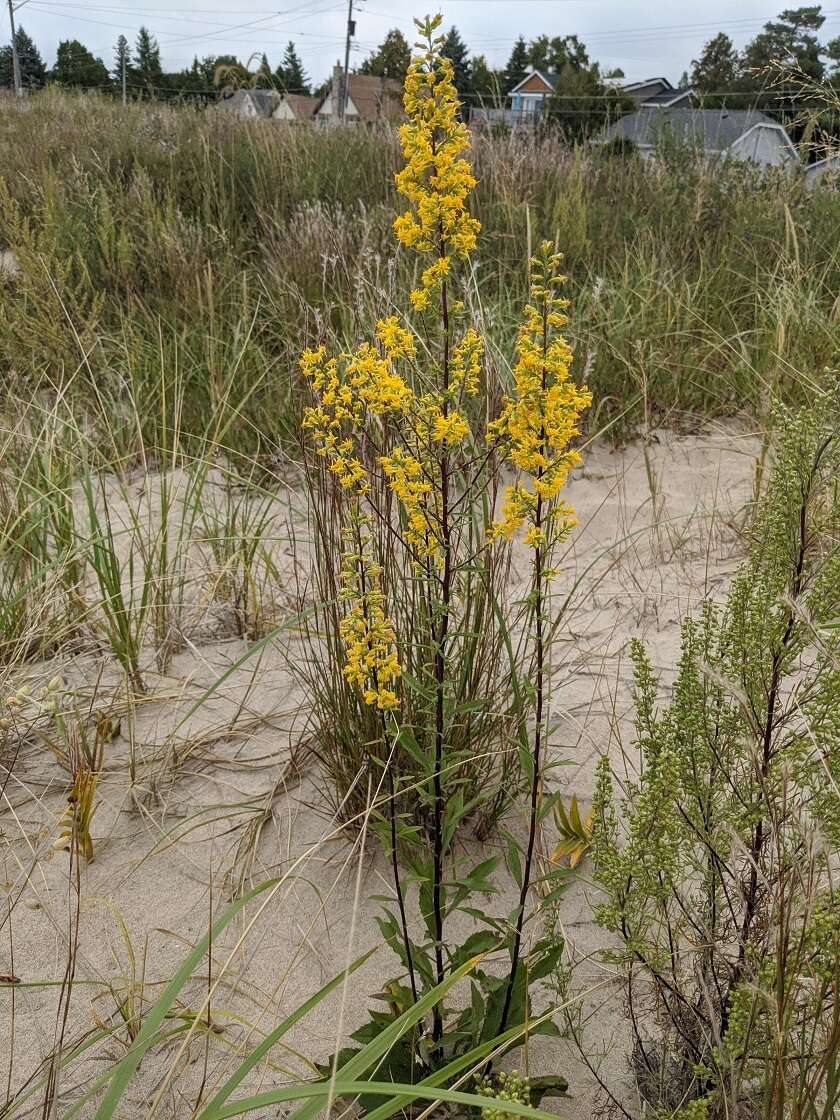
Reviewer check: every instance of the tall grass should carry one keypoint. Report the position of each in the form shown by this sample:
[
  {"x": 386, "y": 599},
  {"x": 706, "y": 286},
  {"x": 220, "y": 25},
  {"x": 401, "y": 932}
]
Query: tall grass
[{"x": 155, "y": 239}]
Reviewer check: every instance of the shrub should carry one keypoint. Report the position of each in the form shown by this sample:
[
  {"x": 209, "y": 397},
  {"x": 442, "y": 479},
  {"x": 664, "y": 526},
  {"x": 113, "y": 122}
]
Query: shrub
[{"x": 717, "y": 871}]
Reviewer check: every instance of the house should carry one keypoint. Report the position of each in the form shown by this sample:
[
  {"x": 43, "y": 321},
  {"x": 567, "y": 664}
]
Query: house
[
  {"x": 824, "y": 170},
  {"x": 251, "y": 104},
  {"x": 369, "y": 100},
  {"x": 744, "y": 134},
  {"x": 527, "y": 100},
  {"x": 529, "y": 97},
  {"x": 296, "y": 107},
  {"x": 656, "y": 92}
]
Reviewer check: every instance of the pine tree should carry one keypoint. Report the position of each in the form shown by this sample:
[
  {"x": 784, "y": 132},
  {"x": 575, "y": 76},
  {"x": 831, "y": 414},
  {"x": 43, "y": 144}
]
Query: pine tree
[
  {"x": 147, "y": 57},
  {"x": 33, "y": 72},
  {"x": 76, "y": 66},
  {"x": 718, "y": 66},
  {"x": 263, "y": 77},
  {"x": 517, "y": 66},
  {"x": 789, "y": 40},
  {"x": 290, "y": 74},
  {"x": 122, "y": 57},
  {"x": 390, "y": 59},
  {"x": 455, "y": 49}
]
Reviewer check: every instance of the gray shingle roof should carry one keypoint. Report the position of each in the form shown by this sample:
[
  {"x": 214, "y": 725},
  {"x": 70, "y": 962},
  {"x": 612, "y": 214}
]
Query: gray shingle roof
[
  {"x": 668, "y": 97},
  {"x": 265, "y": 101},
  {"x": 713, "y": 130}
]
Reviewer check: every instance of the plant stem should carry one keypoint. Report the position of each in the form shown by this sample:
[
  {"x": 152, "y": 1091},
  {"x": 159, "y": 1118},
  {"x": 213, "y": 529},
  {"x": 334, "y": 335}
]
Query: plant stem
[
  {"x": 536, "y": 756},
  {"x": 392, "y": 808},
  {"x": 395, "y": 867},
  {"x": 440, "y": 678}
]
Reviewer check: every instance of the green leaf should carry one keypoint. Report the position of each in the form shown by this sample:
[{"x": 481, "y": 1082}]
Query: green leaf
[
  {"x": 514, "y": 864},
  {"x": 482, "y": 942},
  {"x": 546, "y": 962},
  {"x": 125, "y": 1069},
  {"x": 361, "y": 1062},
  {"x": 270, "y": 1039},
  {"x": 320, "y": 1092}
]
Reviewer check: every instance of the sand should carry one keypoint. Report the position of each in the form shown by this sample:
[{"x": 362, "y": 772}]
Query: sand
[{"x": 174, "y": 845}]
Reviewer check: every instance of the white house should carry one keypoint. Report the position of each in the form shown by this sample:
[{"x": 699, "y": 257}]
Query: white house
[
  {"x": 296, "y": 108},
  {"x": 827, "y": 170},
  {"x": 251, "y": 104}
]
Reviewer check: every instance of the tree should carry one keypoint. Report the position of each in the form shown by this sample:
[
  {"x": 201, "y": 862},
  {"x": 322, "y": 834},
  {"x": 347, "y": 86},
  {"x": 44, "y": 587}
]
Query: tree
[
  {"x": 552, "y": 55},
  {"x": 487, "y": 84},
  {"x": 455, "y": 49},
  {"x": 33, "y": 72},
  {"x": 122, "y": 57},
  {"x": 718, "y": 67},
  {"x": 290, "y": 74},
  {"x": 517, "y": 65},
  {"x": 76, "y": 66},
  {"x": 203, "y": 70},
  {"x": 147, "y": 57},
  {"x": 390, "y": 59},
  {"x": 832, "y": 49},
  {"x": 788, "y": 41},
  {"x": 582, "y": 103},
  {"x": 263, "y": 77}
]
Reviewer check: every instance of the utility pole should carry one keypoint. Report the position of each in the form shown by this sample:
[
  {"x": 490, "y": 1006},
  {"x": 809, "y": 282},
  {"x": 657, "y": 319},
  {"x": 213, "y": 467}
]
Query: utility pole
[
  {"x": 345, "y": 80},
  {"x": 124, "y": 53},
  {"x": 15, "y": 59}
]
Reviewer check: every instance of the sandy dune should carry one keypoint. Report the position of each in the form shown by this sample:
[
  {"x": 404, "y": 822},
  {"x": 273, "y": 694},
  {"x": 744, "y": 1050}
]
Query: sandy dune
[{"x": 188, "y": 820}]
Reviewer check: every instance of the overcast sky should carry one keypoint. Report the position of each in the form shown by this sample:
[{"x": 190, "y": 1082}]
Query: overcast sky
[{"x": 644, "y": 38}]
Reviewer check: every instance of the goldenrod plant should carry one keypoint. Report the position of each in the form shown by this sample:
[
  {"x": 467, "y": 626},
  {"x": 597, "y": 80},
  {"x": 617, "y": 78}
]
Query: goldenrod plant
[
  {"x": 718, "y": 864},
  {"x": 431, "y": 693}
]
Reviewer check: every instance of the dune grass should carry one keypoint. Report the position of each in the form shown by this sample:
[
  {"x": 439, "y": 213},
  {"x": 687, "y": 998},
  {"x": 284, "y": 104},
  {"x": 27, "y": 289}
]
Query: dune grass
[{"x": 166, "y": 239}]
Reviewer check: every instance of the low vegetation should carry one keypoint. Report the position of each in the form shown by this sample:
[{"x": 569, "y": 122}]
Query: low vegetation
[{"x": 283, "y": 498}]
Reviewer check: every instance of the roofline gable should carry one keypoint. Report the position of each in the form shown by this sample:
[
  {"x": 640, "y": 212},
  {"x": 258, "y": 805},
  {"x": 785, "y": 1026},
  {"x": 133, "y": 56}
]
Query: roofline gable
[
  {"x": 773, "y": 125},
  {"x": 679, "y": 95},
  {"x": 767, "y": 124},
  {"x": 528, "y": 77},
  {"x": 646, "y": 82}
]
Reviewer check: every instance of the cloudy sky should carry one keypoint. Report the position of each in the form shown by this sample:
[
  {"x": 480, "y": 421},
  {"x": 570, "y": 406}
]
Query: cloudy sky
[{"x": 644, "y": 38}]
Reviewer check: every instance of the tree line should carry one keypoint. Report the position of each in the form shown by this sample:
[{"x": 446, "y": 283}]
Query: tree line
[
  {"x": 583, "y": 97},
  {"x": 76, "y": 67}
]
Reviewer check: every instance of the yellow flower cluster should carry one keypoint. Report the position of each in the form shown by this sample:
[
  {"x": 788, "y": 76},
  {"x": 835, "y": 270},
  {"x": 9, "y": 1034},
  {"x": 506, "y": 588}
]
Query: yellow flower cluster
[
  {"x": 367, "y": 632},
  {"x": 413, "y": 488},
  {"x": 436, "y": 178},
  {"x": 466, "y": 362},
  {"x": 395, "y": 340},
  {"x": 540, "y": 419},
  {"x": 348, "y": 388}
]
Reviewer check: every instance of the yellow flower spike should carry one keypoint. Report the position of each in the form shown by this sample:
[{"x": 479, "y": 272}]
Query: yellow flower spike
[
  {"x": 371, "y": 662},
  {"x": 466, "y": 362},
  {"x": 436, "y": 179},
  {"x": 539, "y": 420}
]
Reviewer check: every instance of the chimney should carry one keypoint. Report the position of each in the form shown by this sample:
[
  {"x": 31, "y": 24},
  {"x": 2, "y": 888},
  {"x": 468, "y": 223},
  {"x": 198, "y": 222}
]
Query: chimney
[{"x": 337, "y": 79}]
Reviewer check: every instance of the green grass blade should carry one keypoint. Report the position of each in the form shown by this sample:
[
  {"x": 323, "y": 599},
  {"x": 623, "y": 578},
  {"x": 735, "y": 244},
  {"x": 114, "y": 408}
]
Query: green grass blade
[
  {"x": 378, "y": 1047},
  {"x": 321, "y": 1090},
  {"x": 125, "y": 1069},
  {"x": 270, "y": 1039}
]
